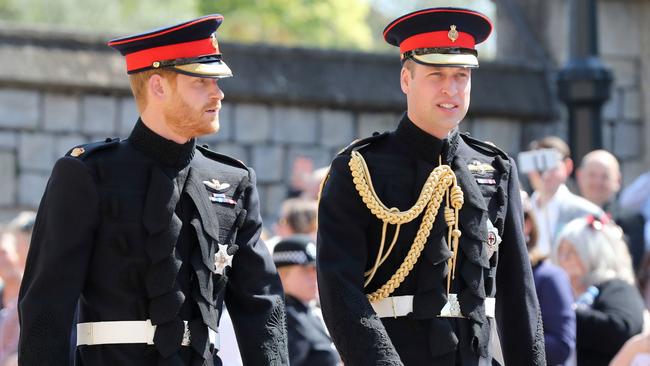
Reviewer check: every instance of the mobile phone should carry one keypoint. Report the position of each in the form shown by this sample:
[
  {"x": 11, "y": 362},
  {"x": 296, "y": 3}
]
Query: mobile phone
[{"x": 539, "y": 160}]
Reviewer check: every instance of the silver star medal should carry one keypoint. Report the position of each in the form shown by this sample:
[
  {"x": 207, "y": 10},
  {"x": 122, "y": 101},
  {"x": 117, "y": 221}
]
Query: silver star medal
[
  {"x": 493, "y": 239},
  {"x": 222, "y": 259}
]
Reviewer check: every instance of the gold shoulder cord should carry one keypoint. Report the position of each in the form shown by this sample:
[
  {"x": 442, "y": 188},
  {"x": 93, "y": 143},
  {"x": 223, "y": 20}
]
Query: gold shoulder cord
[{"x": 441, "y": 183}]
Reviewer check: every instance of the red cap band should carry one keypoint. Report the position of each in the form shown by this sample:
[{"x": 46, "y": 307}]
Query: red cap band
[
  {"x": 436, "y": 39},
  {"x": 146, "y": 58}
]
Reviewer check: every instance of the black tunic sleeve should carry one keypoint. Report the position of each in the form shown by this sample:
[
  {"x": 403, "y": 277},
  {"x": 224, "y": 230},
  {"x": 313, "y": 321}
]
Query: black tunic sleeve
[
  {"x": 357, "y": 332},
  {"x": 58, "y": 258},
  {"x": 254, "y": 296},
  {"x": 517, "y": 308}
]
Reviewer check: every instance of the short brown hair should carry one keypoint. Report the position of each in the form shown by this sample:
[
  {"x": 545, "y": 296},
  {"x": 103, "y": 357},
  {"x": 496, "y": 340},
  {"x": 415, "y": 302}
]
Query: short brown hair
[
  {"x": 552, "y": 142},
  {"x": 410, "y": 66},
  {"x": 139, "y": 84}
]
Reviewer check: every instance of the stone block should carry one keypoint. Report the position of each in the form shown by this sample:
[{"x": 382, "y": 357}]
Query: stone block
[
  {"x": 31, "y": 187},
  {"x": 19, "y": 108},
  {"x": 337, "y": 128},
  {"x": 619, "y": 22},
  {"x": 36, "y": 151},
  {"x": 612, "y": 108},
  {"x": 64, "y": 143},
  {"x": 632, "y": 104},
  {"x": 626, "y": 70},
  {"x": 128, "y": 116},
  {"x": 99, "y": 115},
  {"x": 8, "y": 140},
  {"x": 271, "y": 198},
  {"x": 295, "y": 125},
  {"x": 376, "y": 122},
  {"x": 233, "y": 150},
  {"x": 505, "y": 133},
  {"x": 632, "y": 169},
  {"x": 7, "y": 179},
  {"x": 252, "y": 123},
  {"x": 61, "y": 112},
  {"x": 628, "y": 140},
  {"x": 268, "y": 162}
]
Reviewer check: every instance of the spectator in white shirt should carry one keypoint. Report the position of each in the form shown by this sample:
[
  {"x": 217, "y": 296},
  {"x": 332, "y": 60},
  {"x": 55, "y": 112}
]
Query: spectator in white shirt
[{"x": 553, "y": 204}]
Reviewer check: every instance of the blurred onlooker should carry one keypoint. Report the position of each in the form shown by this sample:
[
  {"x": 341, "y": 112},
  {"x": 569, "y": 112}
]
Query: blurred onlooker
[
  {"x": 554, "y": 294},
  {"x": 305, "y": 180},
  {"x": 636, "y": 197},
  {"x": 599, "y": 180},
  {"x": 297, "y": 216},
  {"x": 14, "y": 245},
  {"x": 309, "y": 343},
  {"x": 635, "y": 352},
  {"x": 643, "y": 279},
  {"x": 553, "y": 204},
  {"x": 609, "y": 308}
]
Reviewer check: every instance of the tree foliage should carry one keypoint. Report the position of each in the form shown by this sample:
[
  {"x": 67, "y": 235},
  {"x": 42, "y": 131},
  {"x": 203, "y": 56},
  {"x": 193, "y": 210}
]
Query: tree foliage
[
  {"x": 319, "y": 23},
  {"x": 114, "y": 16}
]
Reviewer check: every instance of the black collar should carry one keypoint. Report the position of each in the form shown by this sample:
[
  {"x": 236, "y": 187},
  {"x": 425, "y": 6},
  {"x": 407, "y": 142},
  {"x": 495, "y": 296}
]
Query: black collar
[
  {"x": 159, "y": 148},
  {"x": 426, "y": 146}
]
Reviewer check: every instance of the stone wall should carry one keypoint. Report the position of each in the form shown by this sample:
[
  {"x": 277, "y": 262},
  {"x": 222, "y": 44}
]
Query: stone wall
[
  {"x": 536, "y": 31},
  {"x": 58, "y": 90}
]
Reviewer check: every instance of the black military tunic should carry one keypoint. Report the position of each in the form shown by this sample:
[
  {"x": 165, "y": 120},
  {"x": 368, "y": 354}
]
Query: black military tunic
[
  {"x": 128, "y": 230},
  {"x": 349, "y": 235},
  {"x": 309, "y": 344}
]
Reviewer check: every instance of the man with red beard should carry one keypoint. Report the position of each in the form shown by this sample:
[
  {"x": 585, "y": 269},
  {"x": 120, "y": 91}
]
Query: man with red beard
[{"x": 148, "y": 237}]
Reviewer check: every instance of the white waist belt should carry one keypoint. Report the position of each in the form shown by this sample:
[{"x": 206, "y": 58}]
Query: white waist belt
[
  {"x": 394, "y": 306},
  {"x": 125, "y": 332}
]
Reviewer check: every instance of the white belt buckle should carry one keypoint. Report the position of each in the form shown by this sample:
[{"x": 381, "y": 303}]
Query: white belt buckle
[
  {"x": 451, "y": 308},
  {"x": 187, "y": 337}
]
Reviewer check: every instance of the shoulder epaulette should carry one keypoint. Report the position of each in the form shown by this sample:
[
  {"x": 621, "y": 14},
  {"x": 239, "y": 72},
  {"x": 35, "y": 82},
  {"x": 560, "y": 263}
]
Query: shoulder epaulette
[
  {"x": 483, "y": 146},
  {"x": 360, "y": 143},
  {"x": 82, "y": 151},
  {"x": 220, "y": 157}
]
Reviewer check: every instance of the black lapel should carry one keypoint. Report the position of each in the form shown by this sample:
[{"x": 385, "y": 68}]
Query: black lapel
[{"x": 200, "y": 195}]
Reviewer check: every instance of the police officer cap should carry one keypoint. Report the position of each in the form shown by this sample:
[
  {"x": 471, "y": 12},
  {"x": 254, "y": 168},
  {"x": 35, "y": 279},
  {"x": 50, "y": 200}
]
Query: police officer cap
[
  {"x": 297, "y": 249},
  {"x": 439, "y": 36},
  {"x": 189, "y": 48}
]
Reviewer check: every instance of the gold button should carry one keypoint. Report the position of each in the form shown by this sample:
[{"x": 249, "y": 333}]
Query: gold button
[
  {"x": 156, "y": 64},
  {"x": 77, "y": 151}
]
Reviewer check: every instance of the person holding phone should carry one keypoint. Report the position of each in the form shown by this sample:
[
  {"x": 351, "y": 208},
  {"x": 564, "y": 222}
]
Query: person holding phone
[{"x": 554, "y": 205}]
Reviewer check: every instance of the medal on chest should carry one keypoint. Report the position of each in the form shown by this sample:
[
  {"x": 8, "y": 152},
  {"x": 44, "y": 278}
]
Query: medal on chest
[
  {"x": 222, "y": 259},
  {"x": 493, "y": 239}
]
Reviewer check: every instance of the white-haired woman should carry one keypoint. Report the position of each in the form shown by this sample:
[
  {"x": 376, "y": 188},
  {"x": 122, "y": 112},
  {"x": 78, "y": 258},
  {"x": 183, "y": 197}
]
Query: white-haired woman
[{"x": 609, "y": 308}]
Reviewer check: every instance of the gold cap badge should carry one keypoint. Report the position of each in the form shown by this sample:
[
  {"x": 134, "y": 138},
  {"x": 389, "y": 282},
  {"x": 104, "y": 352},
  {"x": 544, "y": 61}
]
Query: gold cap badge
[
  {"x": 77, "y": 151},
  {"x": 213, "y": 38},
  {"x": 453, "y": 33}
]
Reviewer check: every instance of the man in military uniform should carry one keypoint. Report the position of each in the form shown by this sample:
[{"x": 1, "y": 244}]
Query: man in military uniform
[
  {"x": 420, "y": 243},
  {"x": 148, "y": 236},
  {"x": 309, "y": 343}
]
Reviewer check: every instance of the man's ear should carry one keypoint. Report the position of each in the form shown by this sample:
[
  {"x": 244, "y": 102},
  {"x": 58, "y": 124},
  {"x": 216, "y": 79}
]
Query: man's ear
[
  {"x": 405, "y": 79},
  {"x": 157, "y": 87},
  {"x": 568, "y": 163}
]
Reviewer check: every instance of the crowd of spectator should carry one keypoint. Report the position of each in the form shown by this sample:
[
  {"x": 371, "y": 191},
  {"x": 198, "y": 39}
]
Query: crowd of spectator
[{"x": 588, "y": 247}]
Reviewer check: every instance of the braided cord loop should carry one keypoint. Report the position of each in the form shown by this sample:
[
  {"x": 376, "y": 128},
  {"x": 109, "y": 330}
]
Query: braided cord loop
[{"x": 441, "y": 183}]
